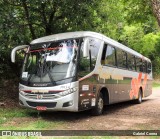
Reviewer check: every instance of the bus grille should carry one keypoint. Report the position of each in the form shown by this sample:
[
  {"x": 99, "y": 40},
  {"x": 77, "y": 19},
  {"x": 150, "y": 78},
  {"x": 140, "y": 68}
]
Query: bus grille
[
  {"x": 48, "y": 104},
  {"x": 41, "y": 96}
]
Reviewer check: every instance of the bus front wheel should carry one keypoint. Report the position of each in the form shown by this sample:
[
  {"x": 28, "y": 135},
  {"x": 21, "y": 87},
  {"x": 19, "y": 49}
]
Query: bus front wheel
[{"x": 98, "y": 109}]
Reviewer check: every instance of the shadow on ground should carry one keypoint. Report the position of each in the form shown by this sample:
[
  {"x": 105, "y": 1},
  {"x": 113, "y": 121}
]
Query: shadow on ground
[{"x": 74, "y": 116}]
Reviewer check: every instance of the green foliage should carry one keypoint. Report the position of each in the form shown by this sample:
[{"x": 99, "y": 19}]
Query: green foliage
[
  {"x": 156, "y": 65},
  {"x": 7, "y": 69},
  {"x": 130, "y": 22},
  {"x": 110, "y": 20},
  {"x": 156, "y": 57},
  {"x": 148, "y": 42},
  {"x": 23, "y": 21},
  {"x": 140, "y": 11},
  {"x": 131, "y": 37}
]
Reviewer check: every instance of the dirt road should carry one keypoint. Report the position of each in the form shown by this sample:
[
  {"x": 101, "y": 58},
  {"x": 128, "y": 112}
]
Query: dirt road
[
  {"x": 122, "y": 116},
  {"x": 145, "y": 116}
]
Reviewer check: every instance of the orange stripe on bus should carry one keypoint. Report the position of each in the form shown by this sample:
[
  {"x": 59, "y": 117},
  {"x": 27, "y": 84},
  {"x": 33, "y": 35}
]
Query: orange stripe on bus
[{"x": 135, "y": 85}]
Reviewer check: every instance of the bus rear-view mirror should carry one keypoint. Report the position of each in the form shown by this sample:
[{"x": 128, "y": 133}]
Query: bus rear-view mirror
[{"x": 14, "y": 50}]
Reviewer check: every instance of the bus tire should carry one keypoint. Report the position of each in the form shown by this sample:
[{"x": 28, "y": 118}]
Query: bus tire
[
  {"x": 139, "y": 100},
  {"x": 98, "y": 109}
]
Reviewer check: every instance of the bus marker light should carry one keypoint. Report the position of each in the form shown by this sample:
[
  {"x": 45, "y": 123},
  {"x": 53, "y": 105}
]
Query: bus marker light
[
  {"x": 91, "y": 94},
  {"x": 81, "y": 95},
  {"x": 26, "y": 91}
]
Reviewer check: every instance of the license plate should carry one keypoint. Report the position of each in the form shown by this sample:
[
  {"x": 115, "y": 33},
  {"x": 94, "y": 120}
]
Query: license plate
[{"x": 41, "y": 108}]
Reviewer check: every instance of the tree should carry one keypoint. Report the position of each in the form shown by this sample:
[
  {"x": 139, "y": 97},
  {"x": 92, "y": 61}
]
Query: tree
[
  {"x": 24, "y": 20},
  {"x": 126, "y": 21},
  {"x": 156, "y": 9},
  {"x": 110, "y": 19},
  {"x": 131, "y": 37},
  {"x": 140, "y": 11}
]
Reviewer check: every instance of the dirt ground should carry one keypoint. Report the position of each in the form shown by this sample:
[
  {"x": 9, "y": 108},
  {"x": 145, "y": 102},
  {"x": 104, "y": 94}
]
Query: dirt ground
[{"x": 122, "y": 116}]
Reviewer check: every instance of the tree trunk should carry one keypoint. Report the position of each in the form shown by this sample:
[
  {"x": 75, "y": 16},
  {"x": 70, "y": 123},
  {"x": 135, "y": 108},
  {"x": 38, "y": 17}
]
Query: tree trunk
[
  {"x": 156, "y": 9},
  {"x": 28, "y": 19}
]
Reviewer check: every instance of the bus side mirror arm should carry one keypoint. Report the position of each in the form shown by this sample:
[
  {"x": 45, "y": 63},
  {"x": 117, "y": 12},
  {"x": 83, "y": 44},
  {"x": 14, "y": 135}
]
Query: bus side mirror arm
[{"x": 14, "y": 50}]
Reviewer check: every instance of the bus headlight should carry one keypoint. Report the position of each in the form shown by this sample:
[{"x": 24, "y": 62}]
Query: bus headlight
[
  {"x": 73, "y": 90},
  {"x": 69, "y": 91}
]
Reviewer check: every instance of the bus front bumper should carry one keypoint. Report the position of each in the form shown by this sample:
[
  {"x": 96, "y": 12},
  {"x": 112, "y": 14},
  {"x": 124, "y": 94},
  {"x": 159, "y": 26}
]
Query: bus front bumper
[{"x": 65, "y": 103}]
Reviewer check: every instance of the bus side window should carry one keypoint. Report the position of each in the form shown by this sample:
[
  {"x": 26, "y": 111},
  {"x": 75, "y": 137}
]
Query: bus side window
[
  {"x": 149, "y": 67},
  {"x": 145, "y": 66},
  {"x": 131, "y": 62},
  {"x": 139, "y": 65},
  {"x": 134, "y": 58},
  {"x": 108, "y": 55},
  {"x": 122, "y": 59}
]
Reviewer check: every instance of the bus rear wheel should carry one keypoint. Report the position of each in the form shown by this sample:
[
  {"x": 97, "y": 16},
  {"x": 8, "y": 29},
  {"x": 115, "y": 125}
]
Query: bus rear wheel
[
  {"x": 139, "y": 100},
  {"x": 98, "y": 109}
]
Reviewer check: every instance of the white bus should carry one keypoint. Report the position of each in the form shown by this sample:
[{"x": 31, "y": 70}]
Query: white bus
[{"x": 79, "y": 71}]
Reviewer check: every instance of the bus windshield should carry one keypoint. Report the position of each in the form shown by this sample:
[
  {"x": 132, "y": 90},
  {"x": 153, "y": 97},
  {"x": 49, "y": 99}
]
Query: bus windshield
[{"x": 51, "y": 63}]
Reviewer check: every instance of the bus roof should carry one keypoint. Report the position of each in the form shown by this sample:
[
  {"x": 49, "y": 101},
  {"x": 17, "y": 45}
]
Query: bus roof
[{"x": 79, "y": 34}]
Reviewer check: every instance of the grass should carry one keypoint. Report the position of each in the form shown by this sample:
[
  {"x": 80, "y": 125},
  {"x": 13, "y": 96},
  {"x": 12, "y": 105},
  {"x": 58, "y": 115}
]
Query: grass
[
  {"x": 25, "y": 119},
  {"x": 20, "y": 137},
  {"x": 38, "y": 124},
  {"x": 156, "y": 84},
  {"x": 7, "y": 114},
  {"x": 88, "y": 137}
]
